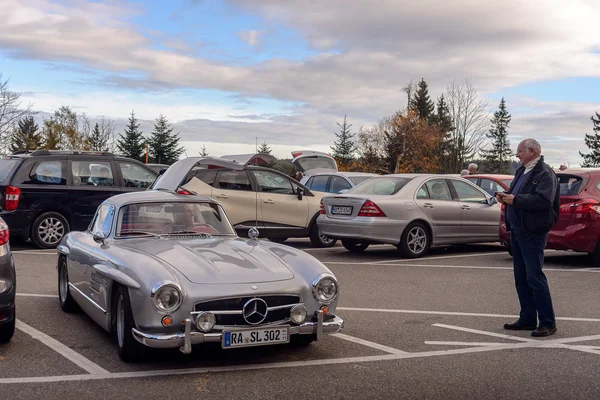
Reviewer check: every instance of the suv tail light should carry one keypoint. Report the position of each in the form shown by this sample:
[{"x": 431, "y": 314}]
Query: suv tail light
[
  {"x": 370, "y": 209},
  {"x": 322, "y": 208},
  {"x": 12, "y": 197},
  {"x": 4, "y": 233},
  {"x": 183, "y": 191}
]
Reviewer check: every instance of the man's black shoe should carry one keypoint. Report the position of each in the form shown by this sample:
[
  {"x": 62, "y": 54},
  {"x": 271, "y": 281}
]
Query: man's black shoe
[
  {"x": 517, "y": 326},
  {"x": 544, "y": 331}
]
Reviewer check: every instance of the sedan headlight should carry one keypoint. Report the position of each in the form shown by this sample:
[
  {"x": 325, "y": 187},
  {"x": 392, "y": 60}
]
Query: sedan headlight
[
  {"x": 167, "y": 298},
  {"x": 325, "y": 288}
]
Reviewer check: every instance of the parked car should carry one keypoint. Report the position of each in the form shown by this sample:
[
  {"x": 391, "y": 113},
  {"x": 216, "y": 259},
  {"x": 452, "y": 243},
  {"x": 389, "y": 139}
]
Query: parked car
[
  {"x": 578, "y": 225},
  {"x": 157, "y": 167},
  {"x": 45, "y": 194},
  {"x": 336, "y": 182},
  {"x": 252, "y": 196},
  {"x": 165, "y": 270},
  {"x": 491, "y": 183},
  {"x": 412, "y": 212},
  {"x": 8, "y": 285},
  {"x": 310, "y": 162}
]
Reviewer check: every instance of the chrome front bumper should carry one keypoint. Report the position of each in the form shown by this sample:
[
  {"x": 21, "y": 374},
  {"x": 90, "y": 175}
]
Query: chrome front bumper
[{"x": 185, "y": 340}]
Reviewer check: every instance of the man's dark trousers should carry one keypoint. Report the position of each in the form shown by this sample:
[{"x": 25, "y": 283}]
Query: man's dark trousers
[{"x": 530, "y": 280}]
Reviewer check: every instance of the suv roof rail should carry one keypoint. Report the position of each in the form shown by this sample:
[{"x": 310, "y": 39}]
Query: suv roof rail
[{"x": 50, "y": 152}]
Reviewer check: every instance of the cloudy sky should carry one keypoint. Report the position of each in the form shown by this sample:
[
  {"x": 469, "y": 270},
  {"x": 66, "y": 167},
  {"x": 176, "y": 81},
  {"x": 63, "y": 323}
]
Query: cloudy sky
[{"x": 229, "y": 72}]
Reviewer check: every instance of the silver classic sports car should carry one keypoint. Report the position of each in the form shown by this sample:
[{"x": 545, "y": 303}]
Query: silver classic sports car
[{"x": 167, "y": 270}]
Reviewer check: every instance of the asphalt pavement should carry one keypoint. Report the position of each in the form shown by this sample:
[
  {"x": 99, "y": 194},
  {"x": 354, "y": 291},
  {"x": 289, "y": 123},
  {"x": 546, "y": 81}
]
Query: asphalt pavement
[{"x": 429, "y": 328}]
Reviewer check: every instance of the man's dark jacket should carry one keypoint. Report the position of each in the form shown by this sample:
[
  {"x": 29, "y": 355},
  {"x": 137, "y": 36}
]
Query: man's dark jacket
[{"x": 538, "y": 199}]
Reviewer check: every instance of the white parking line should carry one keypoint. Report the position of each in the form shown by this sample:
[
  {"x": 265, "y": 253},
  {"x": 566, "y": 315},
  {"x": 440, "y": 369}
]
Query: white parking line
[
  {"x": 441, "y": 257},
  {"x": 61, "y": 349},
  {"x": 439, "y": 343},
  {"x": 37, "y": 295},
  {"x": 367, "y": 343},
  {"x": 593, "y": 270},
  {"x": 467, "y": 314},
  {"x": 493, "y": 334},
  {"x": 36, "y": 252}
]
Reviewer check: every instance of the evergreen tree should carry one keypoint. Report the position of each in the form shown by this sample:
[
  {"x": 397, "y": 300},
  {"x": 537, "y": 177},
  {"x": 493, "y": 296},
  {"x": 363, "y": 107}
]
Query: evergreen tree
[
  {"x": 204, "y": 153},
  {"x": 443, "y": 120},
  {"x": 164, "y": 144},
  {"x": 264, "y": 149},
  {"x": 132, "y": 143},
  {"x": 442, "y": 116},
  {"x": 98, "y": 139},
  {"x": 498, "y": 157},
  {"x": 593, "y": 143},
  {"x": 422, "y": 103},
  {"x": 26, "y": 136},
  {"x": 344, "y": 147}
]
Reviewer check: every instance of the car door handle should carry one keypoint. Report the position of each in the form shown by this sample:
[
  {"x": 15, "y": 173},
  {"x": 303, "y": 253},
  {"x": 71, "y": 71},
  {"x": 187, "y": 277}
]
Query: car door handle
[
  {"x": 466, "y": 207},
  {"x": 269, "y": 201},
  {"x": 222, "y": 196},
  {"x": 428, "y": 205}
]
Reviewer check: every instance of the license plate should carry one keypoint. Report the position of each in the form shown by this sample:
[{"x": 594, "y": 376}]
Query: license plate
[
  {"x": 255, "y": 337},
  {"x": 341, "y": 210}
]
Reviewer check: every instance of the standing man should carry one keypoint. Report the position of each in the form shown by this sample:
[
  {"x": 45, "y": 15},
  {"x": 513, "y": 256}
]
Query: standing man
[
  {"x": 532, "y": 209},
  {"x": 473, "y": 168}
]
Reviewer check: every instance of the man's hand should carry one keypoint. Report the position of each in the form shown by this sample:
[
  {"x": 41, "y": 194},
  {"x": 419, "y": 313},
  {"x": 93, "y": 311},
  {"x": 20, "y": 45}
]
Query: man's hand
[{"x": 508, "y": 198}]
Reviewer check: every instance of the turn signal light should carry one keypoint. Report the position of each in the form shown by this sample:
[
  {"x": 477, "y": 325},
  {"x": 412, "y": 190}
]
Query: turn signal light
[
  {"x": 167, "y": 321},
  {"x": 325, "y": 309},
  {"x": 370, "y": 209}
]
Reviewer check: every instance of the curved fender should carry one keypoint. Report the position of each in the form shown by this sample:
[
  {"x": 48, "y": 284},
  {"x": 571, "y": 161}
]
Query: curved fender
[
  {"x": 62, "y": 249},
  {"x": 117, "y": 276}
]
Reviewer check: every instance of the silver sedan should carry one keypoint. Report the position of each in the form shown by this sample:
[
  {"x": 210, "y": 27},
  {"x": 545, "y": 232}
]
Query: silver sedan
[{"x": 412, "y": 212}]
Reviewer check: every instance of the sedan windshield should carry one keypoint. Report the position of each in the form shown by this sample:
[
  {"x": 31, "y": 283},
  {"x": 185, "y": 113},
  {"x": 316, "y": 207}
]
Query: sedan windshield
[
  {"x": 381, "y": 186},
  {"x": 182, "y": 218}
]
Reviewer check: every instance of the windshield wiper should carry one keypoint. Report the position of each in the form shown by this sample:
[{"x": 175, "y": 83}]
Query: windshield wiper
[
  {"x": 205, "y": 235},
  {"x": 135, "y": 232}
]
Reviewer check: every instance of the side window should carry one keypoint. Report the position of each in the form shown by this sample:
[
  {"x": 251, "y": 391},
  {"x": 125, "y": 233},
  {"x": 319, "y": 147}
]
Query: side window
[
  {"x": 208, "y": 177},
  {"x": 233, "y": 180},
  {"x": 422, "y": 193},
  {"x": 103, "y": 220},
  {"x": 135, "y": 176},
  {"x": 48, "y": 173},
  {"x": 320, "y": 183},
  {"x": 92, "y": 173},
  {"x": 338, "y": 183},
  {"x": 270, "y": 182},
  {"x": 309, "y": 183},
  {"x": 468, "y": 193},
  {"x": 491, "y": 186},
  {"x": 438, "y": 189}
]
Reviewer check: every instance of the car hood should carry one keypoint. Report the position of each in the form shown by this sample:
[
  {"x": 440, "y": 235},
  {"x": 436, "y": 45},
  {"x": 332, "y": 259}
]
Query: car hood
[{"x": 218, "y": 260}]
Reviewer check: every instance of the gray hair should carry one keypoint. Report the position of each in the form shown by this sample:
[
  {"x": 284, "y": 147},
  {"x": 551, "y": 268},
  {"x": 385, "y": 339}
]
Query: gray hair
[
  {"x": 464, "y": 172},
  {"x": 473, "y": 165},
  {"x": 533, "y": 145}
]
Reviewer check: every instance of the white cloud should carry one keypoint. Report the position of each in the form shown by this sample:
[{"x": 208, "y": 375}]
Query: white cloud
[{"x": 252, "y": 38}]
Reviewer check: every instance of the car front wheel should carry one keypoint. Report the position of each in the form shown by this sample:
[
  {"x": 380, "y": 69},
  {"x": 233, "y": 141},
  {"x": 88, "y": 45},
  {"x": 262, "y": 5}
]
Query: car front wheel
[
  {"x": 129, "y": 348},
  {"x": 415, "y": 240},
  {"x": 67, "y": 303}
]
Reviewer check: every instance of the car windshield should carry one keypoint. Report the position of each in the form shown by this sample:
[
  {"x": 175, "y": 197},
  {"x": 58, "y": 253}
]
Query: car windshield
[
  {"x": 6, "y": 165},
  {"x": 359, "y": 179},
  {"x": 381, "y": 186},
  {"x": 167, "y": 218}
]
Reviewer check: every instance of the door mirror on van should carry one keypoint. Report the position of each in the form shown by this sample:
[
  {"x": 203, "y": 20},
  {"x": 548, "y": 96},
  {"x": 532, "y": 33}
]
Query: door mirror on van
[{"x": 300, "y": 193}]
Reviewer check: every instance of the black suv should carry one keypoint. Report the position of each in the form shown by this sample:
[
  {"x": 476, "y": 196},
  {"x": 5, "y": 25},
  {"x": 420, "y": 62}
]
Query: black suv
[{"x": 45, "y": 194}]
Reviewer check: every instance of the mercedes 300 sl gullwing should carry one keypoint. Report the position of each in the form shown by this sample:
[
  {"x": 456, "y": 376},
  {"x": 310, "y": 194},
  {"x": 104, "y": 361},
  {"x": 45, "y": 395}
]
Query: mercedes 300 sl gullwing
[{"x": 166, "y": 270}]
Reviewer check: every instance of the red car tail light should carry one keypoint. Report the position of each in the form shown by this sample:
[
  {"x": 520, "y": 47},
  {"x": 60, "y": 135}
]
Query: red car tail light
[
  {"x": 297, "y": 154},
  {"x": 322, "y": 208},
  {"x": 12, "y": 197},
  {"x": 370, "y": 209},
  {"x": 183, "y": 191},
  {"x": 4, "y": 234},
  {"x": 583, "y": 206}
]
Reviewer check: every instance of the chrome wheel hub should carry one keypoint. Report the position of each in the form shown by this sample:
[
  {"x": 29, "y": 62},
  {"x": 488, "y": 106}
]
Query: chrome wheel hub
[
  {"x": 417, "y": 240},
  {"x": 51, "y": 231}
]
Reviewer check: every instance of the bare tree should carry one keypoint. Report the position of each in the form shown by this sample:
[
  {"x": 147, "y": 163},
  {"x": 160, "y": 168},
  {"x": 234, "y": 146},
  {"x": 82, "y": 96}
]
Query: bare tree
[
  {"x": 10, "y": 112},
  {"x": 107, "y": 132},
  {"x": 470, "y": 117}
]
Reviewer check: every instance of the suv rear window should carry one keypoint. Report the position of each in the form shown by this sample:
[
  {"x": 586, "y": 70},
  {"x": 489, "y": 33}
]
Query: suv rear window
[
  {"x": 6, "y": 167},
  {"x": 382, "y": 186},
  {"x": 570, "y": 184}
]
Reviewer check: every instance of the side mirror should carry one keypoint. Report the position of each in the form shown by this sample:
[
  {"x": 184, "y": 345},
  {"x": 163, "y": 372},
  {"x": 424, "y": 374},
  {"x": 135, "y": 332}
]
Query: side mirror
[
  {"x": 99, "y": 237},
  {"x": 491, "y": 200},
  {"x": 253, "y": 233},
  {"x": 300, "y": 193}
]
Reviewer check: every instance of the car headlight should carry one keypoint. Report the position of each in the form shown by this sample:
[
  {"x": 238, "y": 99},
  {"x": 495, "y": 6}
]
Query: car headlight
[
  {"x": 205, "y": 321},
  {"x": 167, "y": 298},
  {"x": 325, "y": 288},
  {"x": 298, "y": 314}
]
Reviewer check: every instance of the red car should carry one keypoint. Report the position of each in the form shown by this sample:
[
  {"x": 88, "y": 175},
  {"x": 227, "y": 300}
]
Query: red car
[
  {"x": 491, "y": 183},
  {"x": 578, "y": 226}
]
